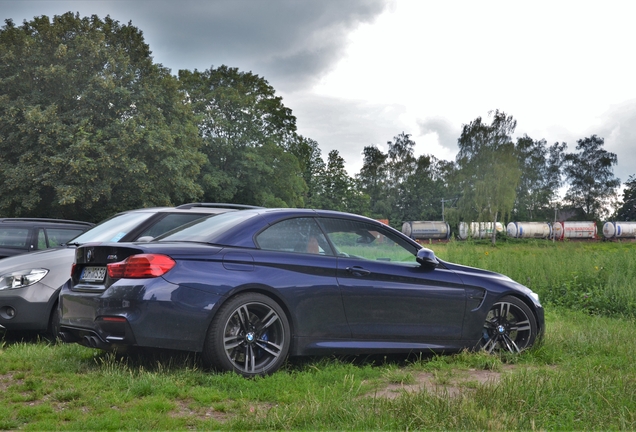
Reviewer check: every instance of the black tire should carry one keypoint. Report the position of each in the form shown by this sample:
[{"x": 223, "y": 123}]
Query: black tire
[
  {"x": 249, "y": 335},
  {"x": 510, "y": 326},
  {"x": 53, "y": 329}
]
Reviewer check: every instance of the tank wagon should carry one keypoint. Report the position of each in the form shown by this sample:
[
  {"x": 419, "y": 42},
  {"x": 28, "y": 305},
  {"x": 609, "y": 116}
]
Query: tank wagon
[
  {"x": 426, "y": 230},
  {"x": 574, "y": 230},
  {"x": 541, "y": 230},
  {"x": 478, "y": 230},
  {"x": 619, "y": 230}
]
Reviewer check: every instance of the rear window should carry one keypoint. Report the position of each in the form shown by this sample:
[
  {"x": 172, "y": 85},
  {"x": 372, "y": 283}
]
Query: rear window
[
  {"x": 170, "y": 222},
  {"x": 58, "y": 236},
  {"x": 115, "y": 228},
  {"x": 206, "y": 230},
  {"x": 54, "y": 237}
]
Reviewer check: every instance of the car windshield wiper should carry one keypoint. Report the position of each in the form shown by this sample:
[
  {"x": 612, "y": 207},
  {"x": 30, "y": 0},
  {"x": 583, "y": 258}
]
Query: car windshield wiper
[{"x": 72, "y": 244}]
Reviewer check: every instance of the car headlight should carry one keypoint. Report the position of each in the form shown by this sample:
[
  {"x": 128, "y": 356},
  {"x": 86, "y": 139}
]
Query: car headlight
[{"x": 22, "y": 278}]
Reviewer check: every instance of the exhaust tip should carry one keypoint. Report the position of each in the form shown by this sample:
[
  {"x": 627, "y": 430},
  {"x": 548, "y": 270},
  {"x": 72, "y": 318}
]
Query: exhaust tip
[{"x": 88, "y": 341}]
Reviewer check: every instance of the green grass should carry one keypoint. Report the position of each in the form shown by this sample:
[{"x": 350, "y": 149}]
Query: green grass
[
  {"x": 597, "y": 277},
  {"x": 583, "y": 375}
]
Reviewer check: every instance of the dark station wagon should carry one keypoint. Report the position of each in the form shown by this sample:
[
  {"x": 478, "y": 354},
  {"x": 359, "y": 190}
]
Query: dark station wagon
[{"x": 22, "y": 235}]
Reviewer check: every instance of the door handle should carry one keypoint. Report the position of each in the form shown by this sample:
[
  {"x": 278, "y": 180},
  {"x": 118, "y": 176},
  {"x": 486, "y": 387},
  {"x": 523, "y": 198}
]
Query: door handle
[{"x": 358, "y": 271}]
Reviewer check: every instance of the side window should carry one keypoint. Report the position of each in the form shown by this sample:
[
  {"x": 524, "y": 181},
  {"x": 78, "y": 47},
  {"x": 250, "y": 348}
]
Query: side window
[
  {"x": 14, "y": 237},
  {"x": 364, "y": 241},
  {"x": 170, "y": 222},
  {"x": 58, "y": 236},
  {"x": 301, "y": 235}
]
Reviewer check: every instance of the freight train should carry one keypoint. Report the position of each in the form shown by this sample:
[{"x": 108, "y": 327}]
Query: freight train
[{"x": 581, "y": 230}]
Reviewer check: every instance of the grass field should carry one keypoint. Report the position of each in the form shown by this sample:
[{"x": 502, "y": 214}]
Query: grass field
[{"x": 583, "y": 376}]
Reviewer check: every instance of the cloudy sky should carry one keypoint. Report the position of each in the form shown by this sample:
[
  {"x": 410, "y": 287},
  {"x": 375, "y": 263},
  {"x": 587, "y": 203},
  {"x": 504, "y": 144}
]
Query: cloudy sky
[{"x": 359, "y": 72}]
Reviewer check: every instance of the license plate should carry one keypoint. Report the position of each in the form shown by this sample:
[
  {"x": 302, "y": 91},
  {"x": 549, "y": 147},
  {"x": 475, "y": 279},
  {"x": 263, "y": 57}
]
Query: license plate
[{"x": 93, "y": 274}]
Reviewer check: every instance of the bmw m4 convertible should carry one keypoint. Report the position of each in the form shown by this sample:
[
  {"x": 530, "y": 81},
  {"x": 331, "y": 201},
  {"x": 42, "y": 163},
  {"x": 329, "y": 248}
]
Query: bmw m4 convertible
[{"x": 248, "y": 289}]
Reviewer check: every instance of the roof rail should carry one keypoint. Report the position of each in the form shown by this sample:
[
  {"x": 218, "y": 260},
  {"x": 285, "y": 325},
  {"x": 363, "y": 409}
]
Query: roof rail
[
  {"x": 50, "y": 220},
  {"x": 217, "y": 205}
]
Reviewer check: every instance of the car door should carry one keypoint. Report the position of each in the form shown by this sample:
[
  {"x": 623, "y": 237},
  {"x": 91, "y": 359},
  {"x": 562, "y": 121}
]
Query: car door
[
  {"x": 387, "y": 295},
  {"x": 295, "y": 258}
]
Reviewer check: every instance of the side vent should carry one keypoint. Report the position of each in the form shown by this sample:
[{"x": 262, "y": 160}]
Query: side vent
[{"x": 475, "y": 297}]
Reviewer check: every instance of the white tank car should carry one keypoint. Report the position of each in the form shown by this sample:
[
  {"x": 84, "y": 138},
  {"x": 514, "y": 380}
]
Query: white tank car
[
  {"x": 574, "y": 230},
  {"x": 424, "y": 230},
  {"x": 478, "y": 230},
  {"x": 529, "y": 230},
  {"x": 619, "y": 230}
]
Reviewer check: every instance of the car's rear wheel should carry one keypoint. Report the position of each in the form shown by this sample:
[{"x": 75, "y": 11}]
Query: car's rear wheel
[
  {"x": 53, "y": 330},
  {"x": 249, "y": 335},
  {"x": 510, "y": 326}
]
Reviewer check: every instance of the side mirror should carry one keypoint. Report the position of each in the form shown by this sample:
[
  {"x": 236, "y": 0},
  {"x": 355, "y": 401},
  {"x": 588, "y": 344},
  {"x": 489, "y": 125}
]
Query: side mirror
[
  {"x": 145, "y": 239},
  {"x": 426, "y": 257}
]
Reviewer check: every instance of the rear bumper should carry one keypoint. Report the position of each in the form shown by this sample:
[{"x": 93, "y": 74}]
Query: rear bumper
[
  {"x": 150, "y": 313},
  {"x": 104, "y": 337}
]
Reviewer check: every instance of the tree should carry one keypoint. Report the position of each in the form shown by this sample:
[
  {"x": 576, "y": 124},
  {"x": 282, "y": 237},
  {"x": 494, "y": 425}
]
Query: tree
[
  {"x": 312, "y": 167},
  {"x": 89, "y": 125},
  {"x": 401, "y": 165},
  {"x": 540, "y": 178},
  {"x": 372, "y": 179},
  {"x": 247, "y": 134},
  {"x": 627, "y": 210},
  {"x": 488, "y": 171},
  {"x": 336, "y": 185},
  {"x": 401, "y": 186},
  {"x": 591, "y": 177}
]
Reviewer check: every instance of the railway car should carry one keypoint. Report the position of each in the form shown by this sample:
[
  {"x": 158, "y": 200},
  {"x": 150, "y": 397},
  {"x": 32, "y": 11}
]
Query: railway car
[
  {"x": 426, "y": 230},
  {"x": 574, "y": 230},
  {"x": 619, "y": 230},
  {"x": 541, "y": 230},
  {"x": 477, "y": 230}
]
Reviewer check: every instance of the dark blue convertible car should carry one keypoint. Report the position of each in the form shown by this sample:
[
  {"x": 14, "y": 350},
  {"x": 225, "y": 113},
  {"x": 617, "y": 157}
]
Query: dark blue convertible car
[{"x": 248, "y": 289}]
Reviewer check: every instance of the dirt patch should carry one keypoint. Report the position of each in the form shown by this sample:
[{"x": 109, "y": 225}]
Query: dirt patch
[
  {"x": 184, "y": 409},
  {"x": 451, "y": 384}
]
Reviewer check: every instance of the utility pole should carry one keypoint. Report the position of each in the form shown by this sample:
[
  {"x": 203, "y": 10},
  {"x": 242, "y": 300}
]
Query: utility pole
[
  {"x": 443, "y": 201},
  {"x": 443, "y": 210}
]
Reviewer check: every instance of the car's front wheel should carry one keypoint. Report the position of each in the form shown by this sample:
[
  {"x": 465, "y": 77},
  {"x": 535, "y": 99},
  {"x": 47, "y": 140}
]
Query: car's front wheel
[
  {"x": 249, "y": 335},
  {"x": 510, "y": 326}
]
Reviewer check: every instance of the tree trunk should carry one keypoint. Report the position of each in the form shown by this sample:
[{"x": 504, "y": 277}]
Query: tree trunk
[{"x": 494, "y": 230}]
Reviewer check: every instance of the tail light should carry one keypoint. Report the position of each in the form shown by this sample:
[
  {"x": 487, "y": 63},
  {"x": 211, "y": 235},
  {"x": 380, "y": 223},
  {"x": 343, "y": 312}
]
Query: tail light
[{"x": 141, "y": 266}]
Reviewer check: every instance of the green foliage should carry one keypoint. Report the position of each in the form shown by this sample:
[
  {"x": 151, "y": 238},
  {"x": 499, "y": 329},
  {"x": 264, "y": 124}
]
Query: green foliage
[
  {"x": 402, "y": 187},
  {"x": 247, "y": 132},
  {"x": 312, "y": 166},
  {"x": 627, "y": 210},
  {"x": 540, "y": 178},
  {"x": 336, "y": 190},
  {"x": 591, "y": 177},
  {"x": 488, "y": 171},
  {"x": 89, "y": 125}
]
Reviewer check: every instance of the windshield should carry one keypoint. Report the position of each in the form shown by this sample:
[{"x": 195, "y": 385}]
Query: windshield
[
  {"x": 113, "y": 229},
  {"x": 206, "y": 230}
]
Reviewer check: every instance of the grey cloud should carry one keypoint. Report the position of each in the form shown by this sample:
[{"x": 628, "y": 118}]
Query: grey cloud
[
  {"x": 447, "y": 134},
  {"x": 619, "y": 131},
  {"x": 290, "y": 43},
  {"x": 346, "y": 126}
]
